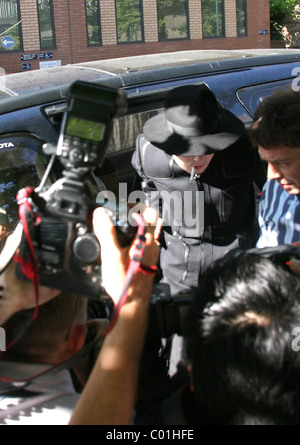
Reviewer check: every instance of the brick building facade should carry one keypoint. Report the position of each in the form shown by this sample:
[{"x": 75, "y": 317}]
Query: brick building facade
[{"x": 70, "y": 30}]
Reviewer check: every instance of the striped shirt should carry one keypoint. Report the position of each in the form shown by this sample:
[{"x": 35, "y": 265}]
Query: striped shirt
[{"x": 279, "y": 216}]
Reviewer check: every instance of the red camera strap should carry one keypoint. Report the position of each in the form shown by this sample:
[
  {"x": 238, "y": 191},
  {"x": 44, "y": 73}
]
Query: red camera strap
[{"x": 29, "y": 266}]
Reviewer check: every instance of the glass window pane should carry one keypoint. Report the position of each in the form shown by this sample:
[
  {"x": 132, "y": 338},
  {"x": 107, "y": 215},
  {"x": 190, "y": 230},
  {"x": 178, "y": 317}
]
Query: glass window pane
[
  {"x": 172, "y": 19},
  {"x": 10, "y": 28},
  {"x": 252, "y": 96},
  {"x": 126, "y": 130},
  {"x": 241, "y": 17},
  {"x": 213, "y": 18},
  {"x": 46, "y": 27},
  {"x": 92, "y": 8},
  {"x": 129, "y": 20}
]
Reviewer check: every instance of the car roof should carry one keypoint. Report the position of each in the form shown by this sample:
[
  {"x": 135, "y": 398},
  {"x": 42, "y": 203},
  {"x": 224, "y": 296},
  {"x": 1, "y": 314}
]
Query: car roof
[
  {"x": 52, "y": 83},
  {"x": 205, "y": 58}
]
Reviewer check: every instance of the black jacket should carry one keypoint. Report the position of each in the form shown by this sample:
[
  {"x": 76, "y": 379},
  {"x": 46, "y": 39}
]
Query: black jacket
[{"x": 228, "y": 209}]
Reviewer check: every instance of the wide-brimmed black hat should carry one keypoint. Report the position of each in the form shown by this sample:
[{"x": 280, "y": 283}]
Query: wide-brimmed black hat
[{"x": 193, "y": 123}]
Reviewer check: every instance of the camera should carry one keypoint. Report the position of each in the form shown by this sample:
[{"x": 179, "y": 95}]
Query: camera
[
  {"x": 59, "y": 217},
  {"x": 280, "y": 255},
  {"x": 167, "y": 311}
]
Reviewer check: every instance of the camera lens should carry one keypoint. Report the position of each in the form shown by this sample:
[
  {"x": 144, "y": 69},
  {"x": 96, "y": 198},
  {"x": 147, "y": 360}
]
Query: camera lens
[{"x": 86, "y": 249}]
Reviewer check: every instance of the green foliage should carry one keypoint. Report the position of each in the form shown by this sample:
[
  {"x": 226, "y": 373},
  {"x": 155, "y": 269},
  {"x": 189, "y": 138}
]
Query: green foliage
[
  {"x": 212, "y": 18},
  {"x": 45, "y": 23},
  {"x": 280, "y": 10},
  {"x": 92, "y": 7},
  {"x": 15, "y": 34},
  {"x": 166, "y": 8},
  {"x": 128, "y": 20},
  {"x": 10, "y": 18}
]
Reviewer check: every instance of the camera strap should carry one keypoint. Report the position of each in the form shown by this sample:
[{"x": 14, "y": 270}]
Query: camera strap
[{"x": 29, "y": 219}]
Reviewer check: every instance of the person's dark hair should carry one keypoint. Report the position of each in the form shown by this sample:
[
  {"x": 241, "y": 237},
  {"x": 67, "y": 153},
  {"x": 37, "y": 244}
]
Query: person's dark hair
[
  {"x": 276, "y": 123},
  {"x": 238, "y": 338}
]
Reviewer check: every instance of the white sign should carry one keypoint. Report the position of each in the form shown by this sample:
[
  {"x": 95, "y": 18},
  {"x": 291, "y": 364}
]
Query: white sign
[{"x": 50, "y": 64}]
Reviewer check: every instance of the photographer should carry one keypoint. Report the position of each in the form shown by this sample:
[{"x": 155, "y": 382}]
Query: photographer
[
  {"x": 241, "y": 348},
  {"x": 109, "y": 395}
]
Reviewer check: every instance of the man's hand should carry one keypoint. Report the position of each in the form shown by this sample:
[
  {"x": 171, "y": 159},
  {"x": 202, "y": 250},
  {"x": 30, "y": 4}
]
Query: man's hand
[
  {"x": 114, "y": 259},
  {"x": 116, "y": 369}
]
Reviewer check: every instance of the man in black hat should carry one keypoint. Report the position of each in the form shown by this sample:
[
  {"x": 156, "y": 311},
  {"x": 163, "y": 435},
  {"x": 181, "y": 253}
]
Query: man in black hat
[{"x": 197, "y": 160}]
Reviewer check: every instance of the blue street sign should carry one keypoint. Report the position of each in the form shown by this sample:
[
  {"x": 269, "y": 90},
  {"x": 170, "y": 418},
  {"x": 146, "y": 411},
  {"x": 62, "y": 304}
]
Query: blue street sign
[
  {"x": 7, "y": 42},
  {"x": 24, "y": 57},
  {"x": 26, "y": 66},
  {"x": 46, "y": 55}
]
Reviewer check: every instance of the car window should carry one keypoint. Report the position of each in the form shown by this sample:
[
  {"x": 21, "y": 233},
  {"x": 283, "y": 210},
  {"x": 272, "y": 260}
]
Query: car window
[
  {"x": 127, "y": 128},
  {"x": 250, "y": 97}
]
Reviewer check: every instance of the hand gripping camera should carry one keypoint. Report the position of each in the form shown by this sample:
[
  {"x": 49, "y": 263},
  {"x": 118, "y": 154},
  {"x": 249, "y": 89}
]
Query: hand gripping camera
[{"x": 59, "y": 218}]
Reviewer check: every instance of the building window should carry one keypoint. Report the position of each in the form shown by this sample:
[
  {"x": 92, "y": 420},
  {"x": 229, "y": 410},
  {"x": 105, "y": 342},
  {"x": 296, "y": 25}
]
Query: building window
[
  {"x": 46, "y": 24},
  {"x": 129, "y": 21},
  {"x": 92, "y": 10},
  {"x": 241, "y": 17},
  {"x": 10, "y": 26},
  {"x": 172, "y": 19},
  {"x": 213, "y": 22}
]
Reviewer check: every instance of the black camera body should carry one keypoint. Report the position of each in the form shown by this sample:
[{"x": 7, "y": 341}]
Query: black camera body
[
  {"x": 167, "y": 312},
  {"x": 60, "y": 221}
]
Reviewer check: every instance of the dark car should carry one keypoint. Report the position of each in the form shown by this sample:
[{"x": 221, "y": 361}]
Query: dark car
[
  {"x": 32, "y": 106},
  {"x": 32, "y": 112}
]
